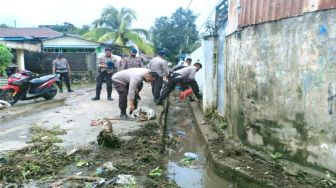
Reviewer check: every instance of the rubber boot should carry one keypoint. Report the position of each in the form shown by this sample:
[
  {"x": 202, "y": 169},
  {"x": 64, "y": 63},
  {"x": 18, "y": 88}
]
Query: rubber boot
[
  {"x": 97, "y": 97},
  {"x": 109, "y": 93}
]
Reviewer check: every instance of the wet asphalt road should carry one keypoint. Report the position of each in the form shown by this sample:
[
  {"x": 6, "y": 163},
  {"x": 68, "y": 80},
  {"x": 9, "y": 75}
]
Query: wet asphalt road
[{"x": 70, "y": 111}]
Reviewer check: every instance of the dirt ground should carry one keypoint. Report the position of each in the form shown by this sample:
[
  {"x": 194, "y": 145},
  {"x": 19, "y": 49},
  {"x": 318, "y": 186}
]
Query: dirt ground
[
  {"x": 56, "y": 147},
  {"x": 269, "y": 170}
]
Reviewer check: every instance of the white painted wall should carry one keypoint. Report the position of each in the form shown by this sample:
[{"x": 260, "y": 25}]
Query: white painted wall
[
  {"x": 210, "y": 77},
  {"x": 68, "y": 41},
  {"x": 198, "y": 57}
]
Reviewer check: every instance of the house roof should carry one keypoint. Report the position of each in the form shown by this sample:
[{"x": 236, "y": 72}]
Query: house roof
[
  {"x": 28, "y": 33},
  {"x": 69, "y": 41},
  {"x": 71, "y": 35}
]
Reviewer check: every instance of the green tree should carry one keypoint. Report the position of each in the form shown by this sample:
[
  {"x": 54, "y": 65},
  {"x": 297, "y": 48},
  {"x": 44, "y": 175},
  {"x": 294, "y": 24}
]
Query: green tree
[
  {"x": 4, "y": 25},
  {"x": 176, "y": 34},
  {"x": 5, "y": 58},
  {"x": 115, "y": 25},
  {"x": 68, "y": 28}
]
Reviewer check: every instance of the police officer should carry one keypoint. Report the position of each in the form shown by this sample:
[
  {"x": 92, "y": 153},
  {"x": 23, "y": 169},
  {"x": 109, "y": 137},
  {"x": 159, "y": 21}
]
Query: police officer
[
  {"x": 127, "y": 83},
  {"x": 185, "y": 76},
  {"x": 132, "y": 61},
  {"x": 61, "y": 67},
  {"x": 160, "y": 66},
  {"x": 106, "y": 66}
]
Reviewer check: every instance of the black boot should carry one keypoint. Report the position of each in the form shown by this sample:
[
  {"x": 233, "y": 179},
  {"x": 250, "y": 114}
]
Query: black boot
[
  {"x": 123, "y": 115},
  {"x": 97, "y": 97},
  {"x": 109, "y": 93}
]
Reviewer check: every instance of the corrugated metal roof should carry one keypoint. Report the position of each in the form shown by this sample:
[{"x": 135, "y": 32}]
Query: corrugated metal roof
[
  {"x": 28, "y": 32},
  {"x": 250, "y": 12}
]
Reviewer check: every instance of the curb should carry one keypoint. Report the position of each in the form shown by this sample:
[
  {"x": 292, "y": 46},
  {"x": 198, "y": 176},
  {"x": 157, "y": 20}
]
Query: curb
[
  {"x": 231, "y": 172},
  {"x": 220, "y": 166}
]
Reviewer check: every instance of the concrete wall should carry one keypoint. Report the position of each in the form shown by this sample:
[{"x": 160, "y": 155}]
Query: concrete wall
[
  {"x": 281, "y": 86},
  {"x": 210, "y": 68},
  {"x": 221, "y": 98},
  {"x": 71, "y": 42},
  {"x": 198, "y": 57},
  {"x": 81, "y": 64}
]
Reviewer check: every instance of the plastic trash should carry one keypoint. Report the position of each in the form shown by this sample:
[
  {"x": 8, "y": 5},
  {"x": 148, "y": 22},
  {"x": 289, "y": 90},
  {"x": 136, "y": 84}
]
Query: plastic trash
[
  {"x": 109, "y": 166},
  {"x": 149, "y": 113},
  {"x": 100, "y": 170},
  {"x": 125, "y": 179},
  {"x": 185, "y": 94},
  {"x": 181, "y": 133},
  {"x": 190, "y": 155}
]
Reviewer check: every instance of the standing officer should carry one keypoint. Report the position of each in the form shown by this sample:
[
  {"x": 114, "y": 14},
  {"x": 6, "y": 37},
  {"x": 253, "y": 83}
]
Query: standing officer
[
  {"x": 106, "y": 66},
  {"x": 61, "y": 67},
  {"x": 132, "y": 61},
  {"x": 160, "y": 66}
]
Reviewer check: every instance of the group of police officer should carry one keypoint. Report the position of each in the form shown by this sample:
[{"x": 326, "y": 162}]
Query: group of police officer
[{"x": 127, "y": 76}]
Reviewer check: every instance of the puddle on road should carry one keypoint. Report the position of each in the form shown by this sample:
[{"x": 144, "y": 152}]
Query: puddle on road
[{"x": 185, "y": 137}]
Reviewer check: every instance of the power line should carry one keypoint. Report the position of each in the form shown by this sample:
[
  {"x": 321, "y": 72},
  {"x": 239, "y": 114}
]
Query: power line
[
  {"x": 205, "y": 22},
  {"x": 189, "y": 4},
  {"x": 207, "y": 19}
]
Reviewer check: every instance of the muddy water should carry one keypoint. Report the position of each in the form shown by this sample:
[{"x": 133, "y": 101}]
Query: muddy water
[{"x": 186, "y": 137}]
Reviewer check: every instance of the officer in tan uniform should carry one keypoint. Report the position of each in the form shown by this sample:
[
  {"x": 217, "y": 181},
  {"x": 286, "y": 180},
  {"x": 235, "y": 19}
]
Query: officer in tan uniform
[
  {"x": 106, "y": 66},
  {"x": 132, "y": 61}
]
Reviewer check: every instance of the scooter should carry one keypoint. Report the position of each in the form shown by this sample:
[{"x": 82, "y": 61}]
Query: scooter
[{"x": 27, "y": 85}]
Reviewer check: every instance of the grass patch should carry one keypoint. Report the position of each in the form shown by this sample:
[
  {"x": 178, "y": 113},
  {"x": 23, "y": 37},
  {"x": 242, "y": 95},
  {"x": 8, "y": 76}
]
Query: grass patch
[{"x": 214, "y": 119}]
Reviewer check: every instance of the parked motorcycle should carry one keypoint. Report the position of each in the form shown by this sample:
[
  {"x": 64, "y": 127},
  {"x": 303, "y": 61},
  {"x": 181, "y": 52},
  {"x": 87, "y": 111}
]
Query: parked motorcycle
[{"x": 27, "y": 85}]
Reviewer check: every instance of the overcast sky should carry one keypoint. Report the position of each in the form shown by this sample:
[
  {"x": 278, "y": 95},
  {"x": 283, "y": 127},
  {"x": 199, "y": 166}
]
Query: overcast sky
[{"x": 31, "y": 13}]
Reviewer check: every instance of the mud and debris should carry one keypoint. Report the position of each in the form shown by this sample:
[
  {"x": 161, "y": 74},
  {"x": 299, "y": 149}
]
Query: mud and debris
[
  {"x": 39, "y": 160},
  {"x": 268, "y": 171},
  {"x": 108, "y": 139},
  {"x": 49, "y": 164},
  {"x": 69, "y": 155}
]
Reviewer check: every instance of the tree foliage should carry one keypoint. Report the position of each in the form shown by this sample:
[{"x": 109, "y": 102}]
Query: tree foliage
[
  {"x": 115, "y": 26},
  {"x": 5, "y": 58},
  {"x": 4, "y": 26},
  {"x": 68, "y": 28},
  {"x": 176, "y": 34}
]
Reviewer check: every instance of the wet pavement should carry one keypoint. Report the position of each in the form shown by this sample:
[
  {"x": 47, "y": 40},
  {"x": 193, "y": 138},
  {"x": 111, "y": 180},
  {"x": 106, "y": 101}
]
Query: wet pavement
[
  {"x": 186, "y": 137},
  {"x": 70, "y": 111}
]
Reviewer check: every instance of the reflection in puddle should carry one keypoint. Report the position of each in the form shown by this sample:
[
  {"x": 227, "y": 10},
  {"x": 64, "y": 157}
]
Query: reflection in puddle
[{"x": 185, "y": 137}]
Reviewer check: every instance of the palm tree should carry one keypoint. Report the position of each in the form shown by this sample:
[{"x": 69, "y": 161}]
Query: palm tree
[{"x": 114, "y": 25}]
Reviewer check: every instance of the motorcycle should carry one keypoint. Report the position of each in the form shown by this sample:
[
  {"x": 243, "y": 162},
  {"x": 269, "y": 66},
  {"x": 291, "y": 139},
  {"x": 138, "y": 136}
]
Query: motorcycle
[{"x": 27, "y": 85}]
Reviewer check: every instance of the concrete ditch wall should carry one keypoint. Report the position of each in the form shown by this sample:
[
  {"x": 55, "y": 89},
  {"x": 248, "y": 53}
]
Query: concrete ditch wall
[{"x": 281, "y": 87}]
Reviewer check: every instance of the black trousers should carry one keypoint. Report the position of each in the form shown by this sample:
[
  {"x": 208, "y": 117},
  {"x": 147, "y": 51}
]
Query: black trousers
[
  {"x": 99, "y": 82},
  {"x": 156, "y": 87},
  {"x": 122, "y": 90},
  {"x": 64, "y": 76},
  {"x": 172, "y": 82}
]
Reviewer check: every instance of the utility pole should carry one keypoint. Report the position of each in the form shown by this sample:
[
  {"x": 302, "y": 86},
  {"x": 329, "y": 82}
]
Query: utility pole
[{"x": 15, "y": 23}]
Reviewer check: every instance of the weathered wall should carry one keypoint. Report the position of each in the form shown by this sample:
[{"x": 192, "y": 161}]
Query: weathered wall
[
  {"x": 198, "y": 57},
  {"x": 221, "y": 71},
  {"x": 281, "y": 86},
  {"x": 83, "y": 65},
  {"x": 210, "y": 80}
]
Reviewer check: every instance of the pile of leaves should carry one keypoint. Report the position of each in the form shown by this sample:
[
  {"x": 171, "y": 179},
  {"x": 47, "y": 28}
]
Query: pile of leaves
[{"x": 40, "y": 160}]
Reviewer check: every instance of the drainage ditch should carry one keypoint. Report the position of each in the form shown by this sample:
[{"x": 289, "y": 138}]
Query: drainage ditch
[{"x": 187, "y": 151}]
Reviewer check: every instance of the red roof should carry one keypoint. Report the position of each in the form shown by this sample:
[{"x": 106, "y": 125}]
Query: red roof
[{"x": 28, "y": 32}]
